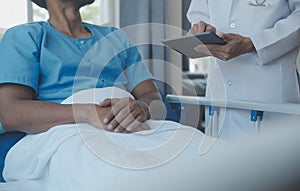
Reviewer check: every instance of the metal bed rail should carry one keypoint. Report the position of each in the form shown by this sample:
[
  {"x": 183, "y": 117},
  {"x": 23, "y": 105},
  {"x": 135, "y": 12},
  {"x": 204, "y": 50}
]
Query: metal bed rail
[{"x": 256, "y": 109}]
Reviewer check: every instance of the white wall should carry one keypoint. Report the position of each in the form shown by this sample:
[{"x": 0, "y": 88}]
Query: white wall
[
  {"x": 13, "y": 12},
  {"x": 110, "y": 12}
]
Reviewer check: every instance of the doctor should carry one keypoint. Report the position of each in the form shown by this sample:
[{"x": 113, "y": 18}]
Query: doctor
[{"x": 259, "y": 61}]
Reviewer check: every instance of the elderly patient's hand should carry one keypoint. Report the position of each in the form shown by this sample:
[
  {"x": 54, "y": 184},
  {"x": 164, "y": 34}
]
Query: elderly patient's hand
[
  {"x": 95, "y": 115},
  {"x": 125, "y": 114}
]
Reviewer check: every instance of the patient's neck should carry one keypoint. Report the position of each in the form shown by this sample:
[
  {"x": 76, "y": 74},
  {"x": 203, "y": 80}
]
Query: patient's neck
[{"x": 67, "y": 20}]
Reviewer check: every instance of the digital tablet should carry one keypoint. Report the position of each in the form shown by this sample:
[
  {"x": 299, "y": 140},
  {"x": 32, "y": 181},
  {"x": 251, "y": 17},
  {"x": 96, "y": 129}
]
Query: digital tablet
[{"x": 186, "y": 44}]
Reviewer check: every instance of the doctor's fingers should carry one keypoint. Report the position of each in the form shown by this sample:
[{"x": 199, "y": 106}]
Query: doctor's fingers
[
  {"x": 222, "y": 56},
  {"x": 210, "y": 28},
  {"x": 233, "y": 48},
  {"x": 225, "y": 56},
  {"x": 230, "y": 36},
  {"x": 201, "y": 27},
  {"x": 204, "y": 27},
  {"x": 226, "y": 52},
  {"x": 198, "y": 28}
]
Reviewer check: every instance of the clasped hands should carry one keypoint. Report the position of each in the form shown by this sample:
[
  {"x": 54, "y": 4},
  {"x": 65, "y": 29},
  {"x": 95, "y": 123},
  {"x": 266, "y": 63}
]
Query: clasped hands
[
  {"x": 123, "y": 115},
  {"x": 236, "y": 44}
]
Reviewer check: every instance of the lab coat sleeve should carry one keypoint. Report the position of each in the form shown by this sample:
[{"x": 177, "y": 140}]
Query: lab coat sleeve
[
  {"x": 282, "y": 38},
  {"x": 198, "y": 11}
]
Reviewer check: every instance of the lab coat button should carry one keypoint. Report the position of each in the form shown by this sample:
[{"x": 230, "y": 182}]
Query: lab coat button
[
  {"x": 232, "y": 25},
  {"x": 229, "y": 84}
]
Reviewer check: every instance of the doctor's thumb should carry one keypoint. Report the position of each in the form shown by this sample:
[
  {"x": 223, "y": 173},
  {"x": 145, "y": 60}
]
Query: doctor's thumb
[{"x": 228, "y": 36}]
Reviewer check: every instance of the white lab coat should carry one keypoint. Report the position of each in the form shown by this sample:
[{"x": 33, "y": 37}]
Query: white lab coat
[{"x": 270, "y": 74}]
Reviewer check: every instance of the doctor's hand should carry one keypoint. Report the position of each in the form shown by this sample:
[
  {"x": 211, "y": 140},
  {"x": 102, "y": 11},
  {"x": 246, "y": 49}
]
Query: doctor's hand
[
  {"x": 201, "y": 27},
  {"x": 126, "y": 115},
  {"x": 236, "y": 46}
]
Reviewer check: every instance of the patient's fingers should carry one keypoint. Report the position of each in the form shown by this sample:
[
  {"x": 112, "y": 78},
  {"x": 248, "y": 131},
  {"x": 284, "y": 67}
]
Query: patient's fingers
[
  {"x": 124, "y": 118},
  {"x": 109, "y": 102},
  {"x": 96, "y": 118},
  {"x": 129, "y": 116},
  {"x": 125, "y": 113},
  {"x": 126, "y": 132},
  {"x": 118, "y": 105},
  {"x": 105, "y": 103},
  {"x": 134, "y": 124},
  {"x": 119, "y": 129}
]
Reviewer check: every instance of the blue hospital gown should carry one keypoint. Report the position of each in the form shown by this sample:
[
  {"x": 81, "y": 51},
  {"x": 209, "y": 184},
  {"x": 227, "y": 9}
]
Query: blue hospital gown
[{"x": 56, "y": 66}]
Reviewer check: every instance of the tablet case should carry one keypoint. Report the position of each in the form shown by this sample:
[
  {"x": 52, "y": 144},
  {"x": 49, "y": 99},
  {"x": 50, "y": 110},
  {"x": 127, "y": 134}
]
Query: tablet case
[{"x": 185, "y": 45}]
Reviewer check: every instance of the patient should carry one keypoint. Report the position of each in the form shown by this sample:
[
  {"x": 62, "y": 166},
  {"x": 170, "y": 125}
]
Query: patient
[{"x": 43, "y": 63}]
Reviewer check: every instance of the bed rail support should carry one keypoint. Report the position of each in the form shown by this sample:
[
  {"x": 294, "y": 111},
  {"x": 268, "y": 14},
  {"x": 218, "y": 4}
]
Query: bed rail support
[
  {"x": 213, "y": 129},
  {"x": 257, "y": 118}
]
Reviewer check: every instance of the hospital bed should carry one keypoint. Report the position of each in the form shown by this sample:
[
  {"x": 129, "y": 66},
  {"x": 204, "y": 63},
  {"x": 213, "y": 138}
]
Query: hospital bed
[{"x": 61, "y": 159}]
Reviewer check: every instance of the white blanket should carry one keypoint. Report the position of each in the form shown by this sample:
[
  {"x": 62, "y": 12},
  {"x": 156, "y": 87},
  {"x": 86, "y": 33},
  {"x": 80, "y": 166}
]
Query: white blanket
[
  {"x": 81, "y": 157},
  {"x": 166, "y": 158}
]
